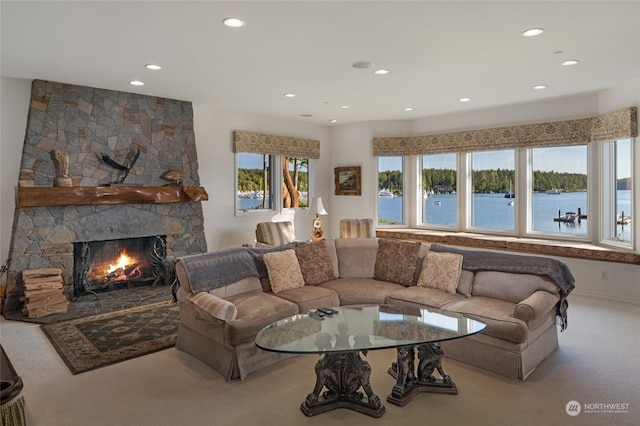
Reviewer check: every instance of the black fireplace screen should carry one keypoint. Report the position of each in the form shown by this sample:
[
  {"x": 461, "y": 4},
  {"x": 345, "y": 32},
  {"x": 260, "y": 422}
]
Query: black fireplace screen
[{"x": 123, "y": 263}]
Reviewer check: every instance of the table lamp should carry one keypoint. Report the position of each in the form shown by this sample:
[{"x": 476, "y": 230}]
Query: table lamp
[{"x": 318, "y": 234}]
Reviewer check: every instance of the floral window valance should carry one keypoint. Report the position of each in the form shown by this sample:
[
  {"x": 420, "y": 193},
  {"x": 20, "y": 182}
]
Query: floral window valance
[
  {"x": 616, "y": 125},
  {"x": 275, "y": 145}
]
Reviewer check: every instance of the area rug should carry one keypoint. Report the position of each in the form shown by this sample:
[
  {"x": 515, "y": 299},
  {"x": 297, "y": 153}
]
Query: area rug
[{"x": 99, "y": 340}]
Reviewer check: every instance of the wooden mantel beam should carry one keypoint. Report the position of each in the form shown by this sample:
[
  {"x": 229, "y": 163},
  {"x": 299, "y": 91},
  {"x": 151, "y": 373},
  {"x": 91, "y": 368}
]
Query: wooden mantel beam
[{"x": 117, "y": 194}]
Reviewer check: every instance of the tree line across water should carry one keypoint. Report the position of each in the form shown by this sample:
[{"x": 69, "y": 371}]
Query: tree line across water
[{"x": 484, "y": 181}]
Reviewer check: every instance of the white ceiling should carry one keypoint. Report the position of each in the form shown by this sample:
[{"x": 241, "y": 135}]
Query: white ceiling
[{"x": 437, "y": 52}]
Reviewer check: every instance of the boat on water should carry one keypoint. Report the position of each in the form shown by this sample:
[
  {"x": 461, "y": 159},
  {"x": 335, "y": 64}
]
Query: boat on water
[
  {"x": 568, "y": 217},
  {"x": 437, "y": 202},
  {"x": 553, "y": 192},
  {"x": 510, "y": 202},
  {"x": 385, "y": 193}
]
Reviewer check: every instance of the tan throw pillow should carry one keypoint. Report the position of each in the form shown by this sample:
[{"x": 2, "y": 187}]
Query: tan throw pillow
[
  {"x": 396, "y": 261},
  {"x": 284, "y": 270},
  {"x": 315, "y": 263},
  {"x": 441, "y": 271}
]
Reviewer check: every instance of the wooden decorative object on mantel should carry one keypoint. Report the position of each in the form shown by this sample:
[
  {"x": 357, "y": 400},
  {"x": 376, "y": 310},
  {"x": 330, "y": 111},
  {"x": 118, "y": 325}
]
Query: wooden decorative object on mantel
[{"x": 120, "y": 194}]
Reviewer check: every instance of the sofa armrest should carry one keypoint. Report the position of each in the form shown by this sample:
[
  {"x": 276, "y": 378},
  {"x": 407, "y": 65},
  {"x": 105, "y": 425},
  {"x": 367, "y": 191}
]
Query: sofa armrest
[
  {"x": 534, "y": 306},
  {"x": 214, "y": 306}
]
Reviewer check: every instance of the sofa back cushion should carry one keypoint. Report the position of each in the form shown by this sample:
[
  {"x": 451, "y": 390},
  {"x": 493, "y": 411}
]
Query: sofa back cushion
[
  {"x": 356, "y": 257},
  {"x": 510, "y": 286}
]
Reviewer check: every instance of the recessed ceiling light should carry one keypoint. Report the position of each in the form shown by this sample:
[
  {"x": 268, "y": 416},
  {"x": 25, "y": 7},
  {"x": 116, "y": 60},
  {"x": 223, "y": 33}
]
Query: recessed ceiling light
[
  {"x": 465, "y": 99},
  {"x": 570, "y": 62},
  {"x": 540, "y": 87},
  {"x": 532, "y": 32},
  {"x": 408, "y": 109},
  {"x": 289, "y": 95},
  {"x": 362, "y": 65},
  {"x": 233, "y": 22},
  {"x": 381, "y": 72},
  {"x": 136, "y": 83},
  {"x": 333, "y": 120},
  {"x": 153, "y": 67},
  {"x": 345, "y": 106}
]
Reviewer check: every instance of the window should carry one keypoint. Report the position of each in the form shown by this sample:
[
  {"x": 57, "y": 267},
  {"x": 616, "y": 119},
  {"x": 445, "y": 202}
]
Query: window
[
  {"x": 390, "y": 190},
  {"x": 272, "y": 172},
  {"x": 616, "y": 192},
  {"x": 254, "y": 178},
  {"x": 493, "y": 194},
  {"x": 295, "y": 182},
  {"x": 559, "y": 196},
  {"x": 439, "y": 190}
]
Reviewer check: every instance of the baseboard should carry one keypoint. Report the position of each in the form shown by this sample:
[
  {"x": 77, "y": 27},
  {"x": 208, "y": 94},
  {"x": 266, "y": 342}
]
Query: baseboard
[{"x": 610, "y": 298}]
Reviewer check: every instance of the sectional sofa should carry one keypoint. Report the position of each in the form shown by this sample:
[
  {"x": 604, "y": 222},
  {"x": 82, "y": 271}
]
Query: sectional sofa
[{"x": 227, "y": 297}]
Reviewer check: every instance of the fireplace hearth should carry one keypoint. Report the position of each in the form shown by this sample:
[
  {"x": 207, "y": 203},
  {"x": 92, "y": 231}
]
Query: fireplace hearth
[{"x": 109, "y": 265}]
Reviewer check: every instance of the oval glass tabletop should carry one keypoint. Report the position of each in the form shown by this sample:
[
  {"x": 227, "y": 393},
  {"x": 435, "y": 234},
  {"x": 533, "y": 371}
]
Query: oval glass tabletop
[{"x": 365, "y": 327}]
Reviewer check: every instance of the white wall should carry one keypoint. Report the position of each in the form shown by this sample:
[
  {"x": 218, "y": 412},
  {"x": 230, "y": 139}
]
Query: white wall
[
  {"x": 14, "y": 107},
  {"x": 213, "y": 129}
]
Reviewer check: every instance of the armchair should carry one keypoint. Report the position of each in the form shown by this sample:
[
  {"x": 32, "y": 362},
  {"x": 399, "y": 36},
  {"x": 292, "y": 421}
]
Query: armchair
[
  {"x": 357, "y": 228},
  {"x": 274, "y": 233}
]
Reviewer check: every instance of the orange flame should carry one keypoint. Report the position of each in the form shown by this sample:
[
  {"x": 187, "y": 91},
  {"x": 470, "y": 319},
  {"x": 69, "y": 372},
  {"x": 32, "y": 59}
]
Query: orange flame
[{"x": 122, "y": 263}]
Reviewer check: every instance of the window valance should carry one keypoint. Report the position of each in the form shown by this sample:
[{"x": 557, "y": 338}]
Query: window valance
[
  {"x": 275, "y": 145},
  {"x": 616, "y": 125}
]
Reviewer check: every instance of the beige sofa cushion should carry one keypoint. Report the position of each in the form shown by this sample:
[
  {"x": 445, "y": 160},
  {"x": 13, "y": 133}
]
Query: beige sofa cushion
[
  {"x": 361, "y": 291},
  {"x": 315, "y": 263},
  {"x": 284, "y": 270},
  {"x": 255, "y": 310},
  {"x": 311, "y": 297},
  {"x": 422, "y": 296},
  {"x": 396, "y": 261},
  {"x": 441, "y": 271},
  {"x": 356, "y": 257},
  {"x": 466, "y": 283},
  {"x": 510, "y": 286},
  {"x": 497, "y": 314}
]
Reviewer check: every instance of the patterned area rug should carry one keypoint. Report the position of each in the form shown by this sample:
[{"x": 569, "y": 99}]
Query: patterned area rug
[{"x": 98, "y": 340}]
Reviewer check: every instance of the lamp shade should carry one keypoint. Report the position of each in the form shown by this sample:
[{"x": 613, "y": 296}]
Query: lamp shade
[{"x": 319, "y": 207}]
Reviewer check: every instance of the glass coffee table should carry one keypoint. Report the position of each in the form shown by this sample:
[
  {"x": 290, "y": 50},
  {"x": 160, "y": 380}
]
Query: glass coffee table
[{"x": 354, "y": 330}]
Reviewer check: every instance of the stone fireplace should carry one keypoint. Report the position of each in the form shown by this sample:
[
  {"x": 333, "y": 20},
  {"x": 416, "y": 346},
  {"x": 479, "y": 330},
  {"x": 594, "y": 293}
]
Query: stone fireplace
[
  {"x": 123, "y": 263},
  {"x": 53, "y": 224}
]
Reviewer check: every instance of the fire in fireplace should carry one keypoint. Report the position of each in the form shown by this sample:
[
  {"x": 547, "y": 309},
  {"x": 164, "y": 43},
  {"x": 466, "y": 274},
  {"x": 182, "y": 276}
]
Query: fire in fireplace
[{"x": 123, "y": 263}]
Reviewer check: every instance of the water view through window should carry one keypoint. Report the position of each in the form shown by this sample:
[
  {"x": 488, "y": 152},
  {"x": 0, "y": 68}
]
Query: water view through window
[{"x": 559, "y": 189}]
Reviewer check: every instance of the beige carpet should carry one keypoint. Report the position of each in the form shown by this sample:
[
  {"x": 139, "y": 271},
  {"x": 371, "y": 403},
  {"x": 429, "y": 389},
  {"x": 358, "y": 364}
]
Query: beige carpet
[{"x": 597, "y": 364}]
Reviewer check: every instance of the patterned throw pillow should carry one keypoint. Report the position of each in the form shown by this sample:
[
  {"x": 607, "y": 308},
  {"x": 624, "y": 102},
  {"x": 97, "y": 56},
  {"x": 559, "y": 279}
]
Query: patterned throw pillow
[
  {"x": 315, "y": 263},
  {"x": 396, "y": 261},
  {"x": 284, "y": 270},
  {"x": 441, "y": 271}
]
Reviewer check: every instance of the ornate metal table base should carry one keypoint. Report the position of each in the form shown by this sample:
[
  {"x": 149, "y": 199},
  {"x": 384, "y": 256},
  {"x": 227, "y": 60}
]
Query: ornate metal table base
[
  {"x": 343, "y": 374},
  {"x": 410, "y": 382}
]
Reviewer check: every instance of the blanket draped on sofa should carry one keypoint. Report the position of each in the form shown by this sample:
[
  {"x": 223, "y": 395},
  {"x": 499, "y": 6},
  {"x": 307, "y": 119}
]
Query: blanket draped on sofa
[
  {"x": 205, "y": 274},
  {"x": 473, "y": 260}
]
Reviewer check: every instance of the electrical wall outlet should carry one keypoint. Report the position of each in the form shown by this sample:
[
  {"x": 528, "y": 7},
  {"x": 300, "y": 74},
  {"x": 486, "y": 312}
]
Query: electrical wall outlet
[{"x": 604, "y": 275}]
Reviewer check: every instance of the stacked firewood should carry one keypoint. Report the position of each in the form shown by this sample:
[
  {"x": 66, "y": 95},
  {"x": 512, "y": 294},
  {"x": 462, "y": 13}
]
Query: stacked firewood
[{"x": 43, "y": 293}]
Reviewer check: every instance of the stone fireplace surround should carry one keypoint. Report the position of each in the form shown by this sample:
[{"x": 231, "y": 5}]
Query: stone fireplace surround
[{"x": 85, "y": 122}]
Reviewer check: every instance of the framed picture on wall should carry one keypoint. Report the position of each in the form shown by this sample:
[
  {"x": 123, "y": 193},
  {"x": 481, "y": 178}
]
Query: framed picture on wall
[{"x": 348, "y": 180}]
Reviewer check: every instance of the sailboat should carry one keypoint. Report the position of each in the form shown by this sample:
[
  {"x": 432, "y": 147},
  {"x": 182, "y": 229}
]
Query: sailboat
[{"x": 509, "y": 194}]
